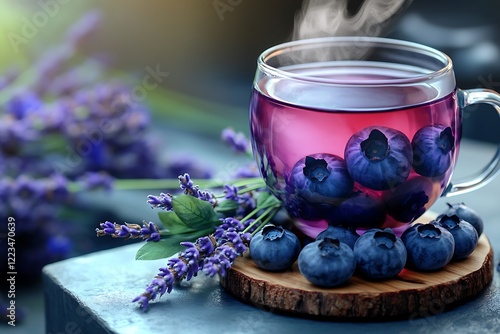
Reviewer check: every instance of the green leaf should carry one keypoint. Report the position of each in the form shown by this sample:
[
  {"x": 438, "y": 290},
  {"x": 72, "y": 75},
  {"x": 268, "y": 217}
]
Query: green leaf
[
  {"x": 194, "y": 212},
  {"x": 168, "y": 246},
  {"x": 157, "y": 250},
  {"x": 173, "y": 223},
  {"x": 227, "y": 205}
]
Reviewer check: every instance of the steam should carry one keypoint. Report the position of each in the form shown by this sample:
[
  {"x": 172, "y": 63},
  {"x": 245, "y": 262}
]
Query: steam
[{"x": 321, "y": 18}]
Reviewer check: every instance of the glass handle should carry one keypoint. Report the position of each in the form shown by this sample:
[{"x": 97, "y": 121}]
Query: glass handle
[{"x": 466, "y": 98}]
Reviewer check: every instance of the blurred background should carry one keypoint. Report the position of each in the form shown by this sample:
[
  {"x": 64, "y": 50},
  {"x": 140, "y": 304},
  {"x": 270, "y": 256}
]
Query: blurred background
[{"x": 67, "y": 67}]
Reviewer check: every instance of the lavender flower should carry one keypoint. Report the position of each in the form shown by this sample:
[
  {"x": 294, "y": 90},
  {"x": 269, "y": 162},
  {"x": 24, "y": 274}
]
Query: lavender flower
[
  {"x": 163, "y": 201},
  {"x": 25, "y": 194},
  {"x": 148, "y": 232},
  {"x": 221, "y": 261},
  {"x": 237, "y": 141},
  {"x": 84, "y": 28},
  {"x": 231, "y": 242},
  {"x": 96, "y": 180},
  {"x": 185, "y": 266},
  {"x": 189, "y": 188},
  {"x": 229, "y": 224},
  {"x": 247, "y": 171},
  {"x": 245, "y": 201},
  {"x": 56, "y": 189},
  {"x": 225, "y": 254},
  {"x": 213, "y": 254}
]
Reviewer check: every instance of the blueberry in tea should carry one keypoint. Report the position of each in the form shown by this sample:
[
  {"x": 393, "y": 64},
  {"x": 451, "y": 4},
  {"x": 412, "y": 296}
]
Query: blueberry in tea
[
  {"x": 274, "y": 248},
  {"x": 407, "y": 202},
  {"x": 464, "y": 234},
  {"x": 466, "y": 213},
  {"x": 346, "y": 235},
  {"x": 300, "y": 208},
  {"x": 433, "y": 148},
  {"x": 359, "y": 210},
  {"x": 379, "y": 157},
  {"x": 327, "y": 262},
  {"x": 379, "y": 254},
  {"x": 321, "y": 178},
  {"x": 429, "y": 247}
]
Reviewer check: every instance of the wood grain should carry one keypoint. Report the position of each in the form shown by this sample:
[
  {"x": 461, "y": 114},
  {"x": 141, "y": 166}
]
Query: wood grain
[{"x": 410, "y": 294}]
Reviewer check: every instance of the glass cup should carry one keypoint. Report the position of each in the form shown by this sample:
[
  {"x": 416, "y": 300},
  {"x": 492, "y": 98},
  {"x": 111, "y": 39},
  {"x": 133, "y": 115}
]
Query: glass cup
[{"x": 360, "y": 131}]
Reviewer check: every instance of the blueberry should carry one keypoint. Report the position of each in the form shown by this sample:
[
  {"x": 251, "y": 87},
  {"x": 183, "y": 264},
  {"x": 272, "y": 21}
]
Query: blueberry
[
  {"x": 321, "y": 178},
  {"x": 433, "y": 148},
  {"x": 379, "y": 254},
  {"x": 300, "y": 208},
  {"x": 347, "y": 236},
  {"x": 408, "y": 201},
  {"x": 274, "y": 248},
  {"x": 379, "y": 158},
  {"x": 327, "y": 262},
  {"x": 466, "y": 213},
  {"x": 464, "y": 234},
  {"x": 429, "y": 247},
  {"x": 359, "y": 210}
]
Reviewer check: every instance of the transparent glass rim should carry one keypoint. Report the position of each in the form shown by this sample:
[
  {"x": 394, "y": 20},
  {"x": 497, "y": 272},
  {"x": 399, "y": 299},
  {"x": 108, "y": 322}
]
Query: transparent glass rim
[{"x": 388, "y": 43}]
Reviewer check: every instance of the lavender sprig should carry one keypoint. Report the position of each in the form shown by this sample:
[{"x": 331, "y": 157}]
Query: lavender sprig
[
  {"x": 212, "y": 254},
  {"x": 148, "y": 231},
  {"x": 236, "y": 140},
  {"x": 245, "y": 201},
  {"x": 235, "y": 244},
  {"x": 185, "y": 266},
  {"x": 190, "y": 188},
  {"x": 164, "y": 200}
]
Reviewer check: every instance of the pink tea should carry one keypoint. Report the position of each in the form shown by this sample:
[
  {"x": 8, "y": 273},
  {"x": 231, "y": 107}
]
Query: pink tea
[{"x": 373, "y": 156}]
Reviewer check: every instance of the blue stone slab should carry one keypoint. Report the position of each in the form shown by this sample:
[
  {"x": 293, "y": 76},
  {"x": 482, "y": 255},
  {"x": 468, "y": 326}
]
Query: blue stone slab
[{"x": 93, "y": 293}]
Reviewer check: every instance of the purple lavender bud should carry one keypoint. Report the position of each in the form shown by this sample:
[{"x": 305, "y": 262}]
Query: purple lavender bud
[
  {"x": 247, "y": 172},
  {"x": 108, "y": 227},
  {"x": 189, "y": 188},
  {"x": 185, "y": 182},
  {"x": 25, "y": 194},
  {"x": 168, "y": 277},
  {"x": 191, "y": 255},
  {"x": 50, "y": 63},
  {"x": 150, "y": 232},
  {"x": 23, "y": 104},
  {"x": 231, "y": 192},
  {"x": 222, "y": 260},
  {"x": 57, "y": 189},
  {"x": 179, "y": 266},
  {"x": 94, "y": 180},
  {"x": 123, "y": 232},
  {"x": 143, "y": 301},
  {"x": 237, "y": 141},
  {"x": 205, "y": 245},
  {"x": 228, "y": 224},
  {"x": 14, "y": 134},
  {"x": 84, "y": 28},
  {"x": 163, "y": 201},
  {"x": 8, "y": 77},
  {"x": 235, "y": 238}
]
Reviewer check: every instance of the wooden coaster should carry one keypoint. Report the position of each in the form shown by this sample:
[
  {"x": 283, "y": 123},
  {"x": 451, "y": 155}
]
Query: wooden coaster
[{"x": 410, "y": 294}]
